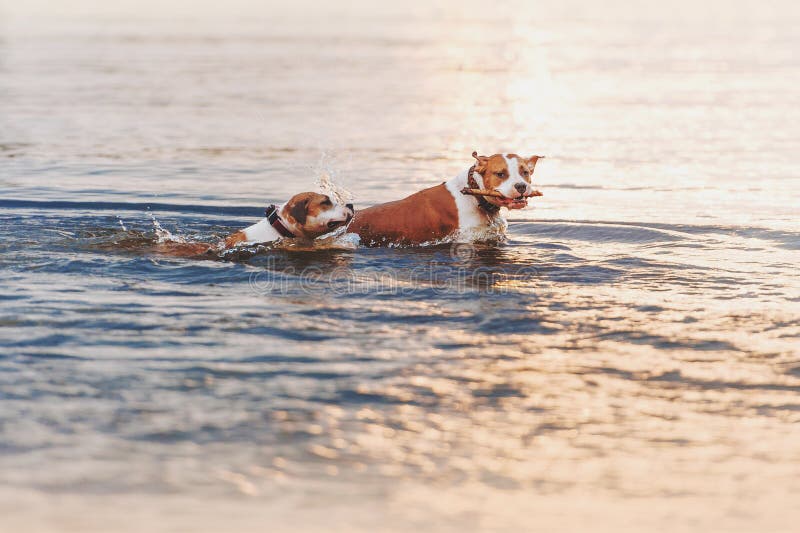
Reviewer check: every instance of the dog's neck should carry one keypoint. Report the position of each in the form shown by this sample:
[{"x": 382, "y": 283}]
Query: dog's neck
[
  {"x": 263, "y": 231},
  {"x": 462, "y": 181}
]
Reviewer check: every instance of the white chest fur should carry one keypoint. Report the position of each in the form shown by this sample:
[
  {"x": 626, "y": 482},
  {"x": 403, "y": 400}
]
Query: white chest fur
[{"x": 474, "y": 224}]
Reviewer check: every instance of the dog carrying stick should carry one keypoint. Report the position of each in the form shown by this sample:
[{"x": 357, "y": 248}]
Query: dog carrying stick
[{"x": 494, "y": 194}]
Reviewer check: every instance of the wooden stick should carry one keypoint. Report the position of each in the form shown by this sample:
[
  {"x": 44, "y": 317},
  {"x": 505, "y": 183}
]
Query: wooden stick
[{"x": 494, "y": 194}]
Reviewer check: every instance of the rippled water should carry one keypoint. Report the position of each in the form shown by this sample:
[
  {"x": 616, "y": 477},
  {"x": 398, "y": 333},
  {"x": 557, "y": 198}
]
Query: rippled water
[{"x": 627, "y": 361}]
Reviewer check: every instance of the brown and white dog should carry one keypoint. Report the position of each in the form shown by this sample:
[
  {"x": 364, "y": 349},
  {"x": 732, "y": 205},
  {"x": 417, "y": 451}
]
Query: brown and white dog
[
  {"x": 305, "y": 216},
  {"x": 442, "y": 211}
]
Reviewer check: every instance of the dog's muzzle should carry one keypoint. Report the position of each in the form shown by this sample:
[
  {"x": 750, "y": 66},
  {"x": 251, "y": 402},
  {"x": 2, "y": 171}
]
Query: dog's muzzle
[{"x": 336, "y": 223}]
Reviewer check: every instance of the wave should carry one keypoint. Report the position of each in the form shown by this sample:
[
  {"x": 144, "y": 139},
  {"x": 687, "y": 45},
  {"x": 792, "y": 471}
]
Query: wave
[{"x": 56, "y": 205}]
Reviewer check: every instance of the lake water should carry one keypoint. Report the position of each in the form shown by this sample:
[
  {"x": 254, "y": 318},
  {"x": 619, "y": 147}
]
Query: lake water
[{"x": 627, "y": 361}]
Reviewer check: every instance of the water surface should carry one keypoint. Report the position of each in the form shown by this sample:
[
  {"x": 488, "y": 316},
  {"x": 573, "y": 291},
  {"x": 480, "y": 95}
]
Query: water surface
[{"x": 627, "y": 361}]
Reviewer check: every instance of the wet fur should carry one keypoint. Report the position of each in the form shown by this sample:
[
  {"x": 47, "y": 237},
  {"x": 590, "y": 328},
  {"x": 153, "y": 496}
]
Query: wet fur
[
  {"x": 307, "y": 215},
  {"x": 440, "y": 212}
]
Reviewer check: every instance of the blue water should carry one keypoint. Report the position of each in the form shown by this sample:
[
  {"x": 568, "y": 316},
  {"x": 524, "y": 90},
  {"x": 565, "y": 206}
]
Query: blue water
[{"x": 628, "y": 359}]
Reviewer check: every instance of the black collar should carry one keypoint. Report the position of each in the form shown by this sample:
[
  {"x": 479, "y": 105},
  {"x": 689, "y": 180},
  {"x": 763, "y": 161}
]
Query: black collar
[
  {"x": 489, "y": 208},
  {"x": 275, "y": 221}
]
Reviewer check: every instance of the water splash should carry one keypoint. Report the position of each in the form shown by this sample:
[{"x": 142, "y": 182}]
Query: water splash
[
  {"x": 326, "y": 180},
  {"x": 338, "y": 240},
  {"x": 162, "y": 234}
]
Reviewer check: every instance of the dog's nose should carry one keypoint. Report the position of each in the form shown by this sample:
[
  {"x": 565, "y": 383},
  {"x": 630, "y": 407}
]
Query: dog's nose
[
  {"x": 350, "y": 207},
  {"x": 521, "y": 188}
]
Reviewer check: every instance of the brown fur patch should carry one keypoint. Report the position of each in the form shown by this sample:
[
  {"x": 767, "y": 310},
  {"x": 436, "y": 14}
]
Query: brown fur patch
[
  {"x": 532, "y": 160},
  {"x": 494, "y": 172},
  {"x": 298, "y": 211},
  {"x": 182, "y": 249},
  {"x": 428, "y": 215},
  {"x": 235, "y": 238}
]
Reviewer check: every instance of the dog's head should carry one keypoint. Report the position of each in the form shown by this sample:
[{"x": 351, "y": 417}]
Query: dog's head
[
  {"x": 508, "y": 174},
  {"x": 311, "y": 214}
]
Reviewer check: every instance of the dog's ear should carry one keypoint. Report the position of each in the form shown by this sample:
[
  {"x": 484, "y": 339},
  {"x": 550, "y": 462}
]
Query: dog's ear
[
  {"x": 299, "y": 211},
  {"x": 532, "y": 161},
  {"x": 481, "y": 161}
]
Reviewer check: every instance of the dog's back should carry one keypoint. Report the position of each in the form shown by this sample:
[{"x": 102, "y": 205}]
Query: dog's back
[{"x": 425, "y": 216}]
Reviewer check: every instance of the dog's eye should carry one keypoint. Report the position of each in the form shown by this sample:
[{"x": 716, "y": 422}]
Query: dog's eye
[
  {"x": 500, "y": 174},
  {"x": 326, "y": 202},
  {"x": 525, "y": 173}
]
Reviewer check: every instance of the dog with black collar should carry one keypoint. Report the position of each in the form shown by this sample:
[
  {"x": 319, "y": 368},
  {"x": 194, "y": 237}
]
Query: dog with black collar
[{"x": 305, "y": 216}]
